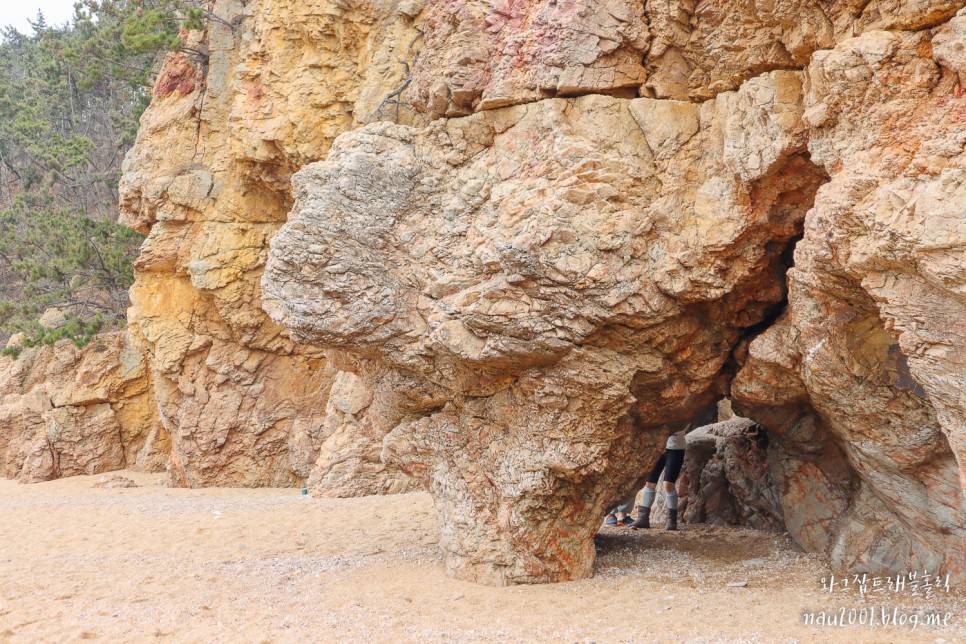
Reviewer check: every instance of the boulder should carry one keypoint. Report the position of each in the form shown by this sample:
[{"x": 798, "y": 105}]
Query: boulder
[
  {"x": 115, "y": 481},
  {"x": 539, "y": 297}
]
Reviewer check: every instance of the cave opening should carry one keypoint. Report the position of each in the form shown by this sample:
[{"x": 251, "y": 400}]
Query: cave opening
[
  {"x": 729, "y": 478},
  {"x": 731, "y": 519},
  {"x": 724, "y": 480}
]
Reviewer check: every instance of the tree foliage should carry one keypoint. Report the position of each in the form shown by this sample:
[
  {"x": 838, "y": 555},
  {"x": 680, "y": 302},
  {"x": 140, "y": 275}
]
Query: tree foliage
[{"x": 70, "y": 101}]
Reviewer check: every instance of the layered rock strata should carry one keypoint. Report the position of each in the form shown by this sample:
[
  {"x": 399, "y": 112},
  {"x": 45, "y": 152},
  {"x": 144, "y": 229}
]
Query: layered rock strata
[
  {"x": 702, "y": 49},
  {"x": 479, "y": 55}
]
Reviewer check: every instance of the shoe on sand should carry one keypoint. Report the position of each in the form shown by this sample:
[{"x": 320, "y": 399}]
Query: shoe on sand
[
  {"x": 672, "y": 520},
  {"x": 643, "y": 518}
]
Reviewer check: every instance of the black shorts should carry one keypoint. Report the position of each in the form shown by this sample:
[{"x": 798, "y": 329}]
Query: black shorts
[{"x": 671, "y": 461}]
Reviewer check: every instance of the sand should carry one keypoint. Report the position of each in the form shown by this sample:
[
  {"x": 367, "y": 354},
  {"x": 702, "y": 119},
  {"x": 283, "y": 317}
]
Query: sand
[{"x": 230, "y": 565}]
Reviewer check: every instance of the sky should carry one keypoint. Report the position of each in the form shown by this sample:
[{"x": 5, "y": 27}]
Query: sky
[{"x": 17, "y": 12}]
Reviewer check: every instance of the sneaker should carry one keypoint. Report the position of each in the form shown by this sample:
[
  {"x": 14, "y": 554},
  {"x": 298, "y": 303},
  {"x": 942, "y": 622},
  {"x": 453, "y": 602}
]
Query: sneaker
[
  {"x": 610, "y": 520},
  {"x": 627, "y": 520}
]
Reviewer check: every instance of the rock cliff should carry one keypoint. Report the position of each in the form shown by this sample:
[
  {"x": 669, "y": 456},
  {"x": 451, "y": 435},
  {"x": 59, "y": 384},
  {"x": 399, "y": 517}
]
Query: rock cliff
[
  {"x": 551, "y": 285},
  {"x": 209, "y": 182},
  {"x": 555, "y": 283},
  {"x": 66, "y": 411},
  {"x": 502, "y": 249},
  {"x": 863, "y": 378}
]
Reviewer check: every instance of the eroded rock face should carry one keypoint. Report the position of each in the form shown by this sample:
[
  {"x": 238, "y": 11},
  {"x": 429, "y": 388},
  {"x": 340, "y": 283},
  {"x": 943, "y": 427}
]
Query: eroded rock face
[
  {"x": 479, "y": 55},
  {"x": 208, "y": 180},
  {"x": 66, "y": 411},
  {"x": 702, "y": 49},
  {"x": 726, "y": 478},
  {"x": 571, "y": 246},
  {"x": 548, "y": 288},
  {"x": 862, "y": 380},
  {"x": 356, "y": 422},
  {"x": 513, "y": 307}
]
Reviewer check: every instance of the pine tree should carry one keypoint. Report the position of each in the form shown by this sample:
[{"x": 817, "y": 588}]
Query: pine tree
[{"x": 70, "y": 101}]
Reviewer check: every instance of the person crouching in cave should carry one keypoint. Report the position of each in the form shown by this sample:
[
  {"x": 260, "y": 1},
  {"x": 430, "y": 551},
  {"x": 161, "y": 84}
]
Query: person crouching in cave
[
  {"x": 670, "y": 463},
  {"x": 621, "y": 515}
]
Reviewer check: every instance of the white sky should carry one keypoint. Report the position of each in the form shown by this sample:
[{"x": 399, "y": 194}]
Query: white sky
[{"x": 16, "y": 12}]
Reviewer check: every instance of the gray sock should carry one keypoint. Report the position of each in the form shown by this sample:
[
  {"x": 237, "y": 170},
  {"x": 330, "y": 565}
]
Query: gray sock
[
  {"x": 672, "y": 500},
  {"x": 648, "y": 499}
]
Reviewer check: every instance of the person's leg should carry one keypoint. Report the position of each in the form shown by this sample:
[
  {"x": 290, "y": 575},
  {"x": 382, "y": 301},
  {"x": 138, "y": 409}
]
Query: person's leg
[
  {"x": 673, "y": 463},
  {"x": 670, "y": 496},
  {"x": 644, "y": 510},
  {"x": 621, "y": 515},
  {"x": 623, "y": 510}
]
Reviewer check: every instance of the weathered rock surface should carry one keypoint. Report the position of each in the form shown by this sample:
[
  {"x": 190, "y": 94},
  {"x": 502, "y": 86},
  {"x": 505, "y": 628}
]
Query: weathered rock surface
[
  {"x": 549, "y": 286},
  {"x": 356, "y": 422},
  {"x": 571, "y": 246},
  {"x": 702, "y": 49},
  {"x": 726, "y": 478},
  {"x": 208, "y": 180},
  {"x": 511, "y": 293},
  {"x": 115, "y": 481},
  {"x": 862, "y": 380},
  {"x": 479, "y": 55},
  {"x": 67, "y": 411}
]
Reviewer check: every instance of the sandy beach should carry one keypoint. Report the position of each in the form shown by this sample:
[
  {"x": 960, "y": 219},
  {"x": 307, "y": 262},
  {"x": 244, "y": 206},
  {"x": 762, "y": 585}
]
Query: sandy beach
[{"x": 268, "y": 565}]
